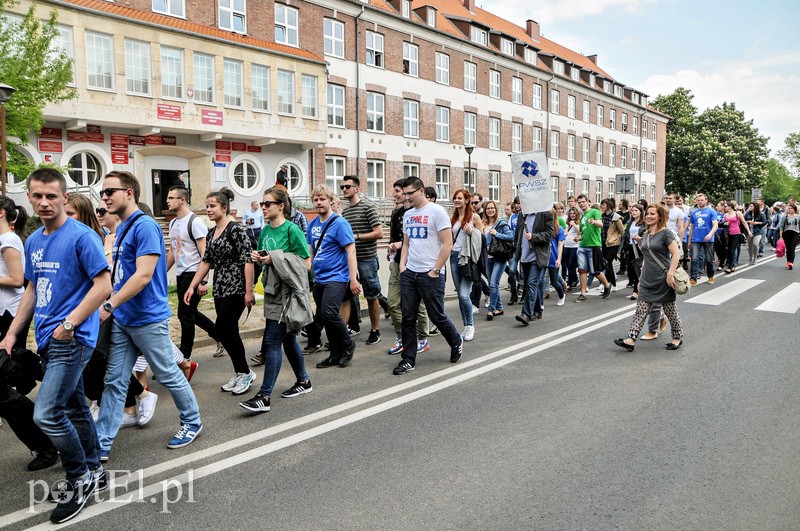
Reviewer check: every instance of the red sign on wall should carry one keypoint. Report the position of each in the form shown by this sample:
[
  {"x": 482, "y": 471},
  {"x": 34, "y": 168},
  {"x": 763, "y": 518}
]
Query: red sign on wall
[
  {"x": 238, "y": 146},
  {"x": 95, "y": 137},
  {"x": 169, "y": 112},
  {"x": 51, "y": 132},
  {"x": 119, "y": 142},
  {"x": 169, "y": 140},
  {"x": 93, "y": 128},
  {"x": 51, "y": 146},
  {"x": 223, "y": 156},
  {"x": 136, "y": 140},
  {"x": 119, "y": 157},
  {"x": 254, "y": 149},
  {"x": 211, "y": 117},
  {"x": 76, "y": 136},
  {"x": 222, "y": 145},
  {"x": 153, "y": 140}
]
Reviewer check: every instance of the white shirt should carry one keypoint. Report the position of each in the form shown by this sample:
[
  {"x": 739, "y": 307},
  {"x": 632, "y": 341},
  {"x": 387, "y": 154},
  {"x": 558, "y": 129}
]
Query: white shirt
[
  {"x": 422, "y": 226},
  {"x": 187, "y": 257},
  {"x": 675, "y": 213},
  {"x": 9, "y": 297},
  {"x": 257, "y": 216}
]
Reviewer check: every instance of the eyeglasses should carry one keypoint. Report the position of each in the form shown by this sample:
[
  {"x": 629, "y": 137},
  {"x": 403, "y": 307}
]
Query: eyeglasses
[
  {"x": 267, "y": 204},
  {"x": 345, "y": 187},
  {"x": 172, "y": 198},
  {"x": 108, "y": 192},
  {"x": 101, "y": 211},
  {"x": 476, "y": 202},
  {"x": 409, "y": 194}
]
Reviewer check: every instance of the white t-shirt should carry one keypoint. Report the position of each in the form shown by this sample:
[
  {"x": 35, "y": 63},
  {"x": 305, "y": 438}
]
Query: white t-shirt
[
  {"x": 257, "y": 217},
  {"x": 9, "y": 297},
  {"x": 422, "y": 226},
  {"x": 675, "y": 213},
  {"x": 459, "y": 236},
  {"x": 570, "y": 242},
  {"x": 187, "y": 257}
]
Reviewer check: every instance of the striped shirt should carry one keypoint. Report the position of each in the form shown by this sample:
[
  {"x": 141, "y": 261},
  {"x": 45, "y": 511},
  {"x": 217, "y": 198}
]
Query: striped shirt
[{"x": 363, "y": 216}]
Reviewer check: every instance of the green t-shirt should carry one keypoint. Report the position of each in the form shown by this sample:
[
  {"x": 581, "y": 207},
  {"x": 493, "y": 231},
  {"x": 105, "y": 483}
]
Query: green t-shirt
[
  {"x": 562, "y": 222},
  {"x": 288, "y": 238},
  {"x": 590, "y": 234}
]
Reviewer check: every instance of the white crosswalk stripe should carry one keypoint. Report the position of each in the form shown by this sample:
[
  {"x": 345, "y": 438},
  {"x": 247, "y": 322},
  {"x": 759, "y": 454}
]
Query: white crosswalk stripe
[
  {"x": 725, "y": 292},
  {"x": 785, "y": 301}
]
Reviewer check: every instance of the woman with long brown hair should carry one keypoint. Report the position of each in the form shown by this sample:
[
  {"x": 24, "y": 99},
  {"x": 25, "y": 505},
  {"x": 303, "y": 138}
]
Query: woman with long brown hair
[
  {"x": 464, "y": 221},
  {"x": 495, "y": 265}
]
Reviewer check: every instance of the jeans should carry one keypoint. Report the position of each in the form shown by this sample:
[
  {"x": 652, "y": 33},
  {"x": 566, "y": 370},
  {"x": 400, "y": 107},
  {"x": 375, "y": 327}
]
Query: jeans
[
  {"x": 733, "y": 249},
  {"x": 229, "y": 310},
  {"x": 569, "y": 266},
  {"x": 554, "y": 275},
  {"x": 533, "y": 276},
  {"x": 328, "y": 298},
  {"x": 463, "y": 289},
  {"x": 274, "y": 336},
  {"x": 154, "y": 342},
  {"x": 416, "y": 288},
  {"x": 512, "y": 275},
  {"x": 189, "y": 316},
  {"x": 702, "y": 252},
  {"x": 61, "y": 411},
  {"x": 396, "y": 306},
  {"x": 368, "y": 276},
  {"x": 496, "y": 268}
]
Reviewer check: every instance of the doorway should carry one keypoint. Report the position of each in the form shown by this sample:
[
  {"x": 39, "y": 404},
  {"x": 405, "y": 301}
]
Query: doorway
[{"x": 162, "y": 181}]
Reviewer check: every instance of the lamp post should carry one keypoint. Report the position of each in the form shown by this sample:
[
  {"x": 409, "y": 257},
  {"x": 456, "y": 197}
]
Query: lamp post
[
  {"x": 5, "y": 94},
  {"x": 469, "y": 150}
]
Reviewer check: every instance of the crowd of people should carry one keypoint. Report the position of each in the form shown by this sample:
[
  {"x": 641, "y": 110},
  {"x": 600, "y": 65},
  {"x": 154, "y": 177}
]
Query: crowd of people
[{"x": 94, "y": 282}]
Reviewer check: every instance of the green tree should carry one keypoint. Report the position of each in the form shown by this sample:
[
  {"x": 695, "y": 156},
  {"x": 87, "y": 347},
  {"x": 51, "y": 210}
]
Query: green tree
[
  {"x": 40, "y": 73},
  {"x": 780, "y": 184},
  {"x": 717, "y": 151},
  {"x": 790, "y": 154}
]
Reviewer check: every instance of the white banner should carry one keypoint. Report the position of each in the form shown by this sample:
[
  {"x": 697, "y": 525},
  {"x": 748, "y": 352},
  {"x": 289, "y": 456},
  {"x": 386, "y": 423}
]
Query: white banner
[{"x": 532, "y": 180}]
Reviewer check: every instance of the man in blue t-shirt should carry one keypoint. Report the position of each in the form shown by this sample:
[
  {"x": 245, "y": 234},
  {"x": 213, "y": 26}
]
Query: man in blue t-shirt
[
  {"x": 141, "y": 315},
  {"x": 702, "y": 228},
  {"x": 333, "y": 257},
  {"x": 68, "y": 280}
]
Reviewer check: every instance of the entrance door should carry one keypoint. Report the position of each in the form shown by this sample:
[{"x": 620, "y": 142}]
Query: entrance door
[{"x": 162, "y": 181}]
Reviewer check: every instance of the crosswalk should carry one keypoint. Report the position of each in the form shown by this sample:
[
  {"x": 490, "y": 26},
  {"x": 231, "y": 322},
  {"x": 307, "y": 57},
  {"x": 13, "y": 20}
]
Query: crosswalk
[{"x": 785, "y": 301}]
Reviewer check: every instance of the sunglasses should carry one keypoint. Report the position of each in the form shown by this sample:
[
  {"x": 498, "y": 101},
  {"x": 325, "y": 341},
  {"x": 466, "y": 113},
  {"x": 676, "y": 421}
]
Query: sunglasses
[
  {"x": 267, "y": 204},
  {"x": 345, "y": 187},
  {"x": 101, "y": 211},
  {"x": 108, "y": 192},
  {"x": 476, "y": 202}
]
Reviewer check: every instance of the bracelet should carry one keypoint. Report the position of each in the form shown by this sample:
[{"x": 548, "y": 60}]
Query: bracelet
[{"x": 204, "y": 282}]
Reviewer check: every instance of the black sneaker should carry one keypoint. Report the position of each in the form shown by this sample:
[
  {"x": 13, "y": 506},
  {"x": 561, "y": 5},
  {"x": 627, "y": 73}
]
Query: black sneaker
[
  {"x": 300, "y": 388},
  {"x": 384, "y": 303},
  {"x": 581, "y": 298},
  {"x": 44, "y": 459},
  {"x": 328, "y": 362},
  {"x": 257, "y": 404},
  {"x": 354, "y": 331},
  {"x": 403, "y": 367},
  {"x": 347, "y": 357},
  {"x": 374, "y": 337},
  {"x": 101, "y": 479},
  {"x": 607, "y": 291},
  {"x": 455, "y": 352},
  {"x": 433, "y": 331},
  {"x": 312, "y": 349},
  {"x": 71, "y": 498}
]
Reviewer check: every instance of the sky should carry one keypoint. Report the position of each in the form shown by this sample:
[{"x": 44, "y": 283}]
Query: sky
[{"x": 745, "y": 52}]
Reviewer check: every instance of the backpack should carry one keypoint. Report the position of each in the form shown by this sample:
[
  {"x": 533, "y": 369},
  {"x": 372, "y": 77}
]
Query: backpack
[{"x": 192, "y": 237}]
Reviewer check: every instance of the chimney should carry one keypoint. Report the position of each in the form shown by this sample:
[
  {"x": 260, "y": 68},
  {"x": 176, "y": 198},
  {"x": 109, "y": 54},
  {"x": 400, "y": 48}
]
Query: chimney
[
  {"x": 470, "y": 5},
  {"x": 533, "y": 29},
  {"x": 593, "y": 58}
]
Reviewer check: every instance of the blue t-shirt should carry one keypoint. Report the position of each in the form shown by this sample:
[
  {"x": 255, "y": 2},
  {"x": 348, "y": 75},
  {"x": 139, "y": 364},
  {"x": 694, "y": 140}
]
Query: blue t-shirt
[
  {"x": 560, "y": 237},
  {"x": 702, "y": 221},
  {"x": 330, "y": 262},
  {"x": 512, "y": 222},
  {"x": 145, "y": 238},
  {"x": 61, "y": 267}
]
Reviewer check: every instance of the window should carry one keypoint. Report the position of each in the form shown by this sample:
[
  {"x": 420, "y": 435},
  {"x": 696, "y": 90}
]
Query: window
[
  {"x": 555, "y": 141},
  {"x": 537, "y": 138},
  {"x": 652, "y": 194},
  {"x": 480, "y": 36},
  {"x": 624, "y": 122},
  {"x": 245, "y": 176},
  {"x": 571, "y": 102},
  {"x": 431, "y": 17},
  {"x": 537, "y": 96},
  {"x": 203, "y": 78},
  {"x": 62, "y": 42},
  {"x": 635, "y": 98},
  {"x": 612, "y": 119},
  {"x": 653, "y": 163},
  {"x": 442, "y": 124},
  {"x": 171, "y": 73},
  {"x": 406, "y": 8},
  {"x": 410, "y": 59},
  {"x": 374, "y": 49},
  {"x": 555, "y": 101},
  {"x": 411, "y": 118},
  {"x": 570, "y": 147},
  {"x": 592, "y": 80},
  {"x": 334, "y": 171},
  {"x": 654, "y": 129},
  {"x": 375, "y": 112},
  {"x": 575, "y": 73},
  {"x": 309, "y": 96},
  {"x": 530, "y": 55},
  {"x": 612, "y": 155},
  {"x": 644, "y": 101},
  {"x": 336, "y": 105},
  {"x": 644, "y": 128},
  {"x": 612, "y": 189},
  {"x": 598, "y": 192},
  {"x": 617, "y": 91},
  {"x": 634, "y": 158},
  {"x": 558, "y": 67},
  {"x": 376, "y": 181},
  {"x": 443, "y": 181},
  {"x": 623, "y": 157},
  {"x": 470, "y": 179},
  {"x": 494, "y": 83},
  {"x": 516, "y": 89},
  {"x": 516, "y": 137},
  {"x": 291, "y": 173},
  {"x": 334, "y": 37},
  {"x": 470, "y": 128},
  {"x": 442, "y": 68},
  {"x": 100, "y": 61},
  {"x": 507, "y": 47},
  {"x": 85, "y": 169},
  {"x": 635, "y": 125},
  {"x": 137, "y": 67},
  {"x": 494, "y": 133},
  {"x": 585, "y": 154},
  {"x": 599, "y": 155},
  {"x": 285, "y": 92},
  {"x": 470, "y": 76},
  {"x": 644, "y": 160},
  {"x": 600, "y": 117},
  {"x": 494, "y": 185},
  {"x": 286, "y": 25},
  {"x": 554, "y": 188},
  {"x": 260, "y": 87},
  {"x": 570, "y": 186},
  {"x": 607, "y": 86},
  {"x": 410, "y": 170},
  {"x": 232, "y": 15},
  {"x": 585, "y": 188},
  {"x": 169, "y": 7},
  {"x": 642, "y": 191},
  {"x": 586, "y": 111},
  {"x": 233, "y": 83}
]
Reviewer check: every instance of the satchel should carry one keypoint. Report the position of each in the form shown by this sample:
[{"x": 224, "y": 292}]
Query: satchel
[
  {"x": 681, "y": 277},
  {"x": 501, "y": 249}
]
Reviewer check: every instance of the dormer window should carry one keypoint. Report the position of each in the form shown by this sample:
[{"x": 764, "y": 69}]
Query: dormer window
[
  {"x": 507, "y": 47},
  {"x": 558, "y": 67},
  {"x": 635, "y": 98},
  {"x": 617, "y": 91},
  {"x": 607, "y": 86},
  {"x": 530, "y": 55},
  {"x": 592, "y": 80},
  {"x": 575, "y": 73},
  {"x": 406, "y": 6},
  {"x": 480, "y": 36},
  {"x": 431, "y": 17}
]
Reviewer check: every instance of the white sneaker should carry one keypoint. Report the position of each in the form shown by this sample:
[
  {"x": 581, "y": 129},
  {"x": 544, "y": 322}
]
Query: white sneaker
[
  {"x": 94, "y": 409},
  {"x": 475, "y": 310},
  {"x": 129, "y": 421},
  {"x": 469, "y": 333},
  {"x": 245, "y": 381},
  {"x": 147, "y": 407},
  {"x": 228, "y": 387},
  {"x": 562, "y": 300},
  {"x": 220, "y": 350}
]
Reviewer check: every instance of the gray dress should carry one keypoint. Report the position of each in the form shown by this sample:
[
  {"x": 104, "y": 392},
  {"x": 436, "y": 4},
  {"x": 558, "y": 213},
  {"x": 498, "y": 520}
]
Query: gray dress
[{"x": 653, "y": 285}]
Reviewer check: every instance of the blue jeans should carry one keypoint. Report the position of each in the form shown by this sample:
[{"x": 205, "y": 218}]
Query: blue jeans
[
  {"x": 275, "y": 336},
  {"x": 702, "y": 252},
  {"x": 368, "y": 276},
  {"x": 61, "y": 411},
  {"x": 512, "y": 274},
  {"x": 495, "y": 268},
  {"x": 533, "y": 276},
  {"x": 463, "y": 289},
  {"x": 569, "y": 265},
  {"x": 154, "y": 342},
  {"x": 416, "y": 288}
]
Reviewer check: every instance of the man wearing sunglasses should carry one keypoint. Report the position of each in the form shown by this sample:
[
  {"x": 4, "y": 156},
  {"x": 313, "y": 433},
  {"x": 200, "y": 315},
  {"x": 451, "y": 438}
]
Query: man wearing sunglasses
[{"x": 367, "y": 227}]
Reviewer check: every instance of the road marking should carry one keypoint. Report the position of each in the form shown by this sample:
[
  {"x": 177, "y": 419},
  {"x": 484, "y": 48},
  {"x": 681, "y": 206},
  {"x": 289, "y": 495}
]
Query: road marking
[
  {"x": 785, "y": 301},
  {"x": 158, "y": 488},
  {"x": 725, "y": 292}
]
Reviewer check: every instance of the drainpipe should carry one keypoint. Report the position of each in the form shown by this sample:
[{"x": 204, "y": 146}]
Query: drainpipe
[
  {"x": 358, "y": 95},
  {"x": 547, "y": 114},
  {"x": 641, "y": 162}
]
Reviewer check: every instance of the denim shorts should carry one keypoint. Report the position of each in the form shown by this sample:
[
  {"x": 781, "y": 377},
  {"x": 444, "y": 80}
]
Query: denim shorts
[
  {"x": 368, "y": 276},
  {"x": 590, "y": 260}
]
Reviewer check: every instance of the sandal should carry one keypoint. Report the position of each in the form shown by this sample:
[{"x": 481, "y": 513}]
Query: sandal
[{"x": 498, "y": 313}]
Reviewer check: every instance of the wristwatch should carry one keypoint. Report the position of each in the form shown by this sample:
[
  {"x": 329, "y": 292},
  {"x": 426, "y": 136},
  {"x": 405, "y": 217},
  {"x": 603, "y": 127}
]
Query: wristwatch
[
  {"x": 69, "y": 327},
  {"x": 107, "y": 306}
]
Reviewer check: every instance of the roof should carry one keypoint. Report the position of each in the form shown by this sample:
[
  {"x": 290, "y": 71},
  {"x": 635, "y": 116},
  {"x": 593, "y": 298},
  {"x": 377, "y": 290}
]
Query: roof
[{"x": 102, "y": 6}]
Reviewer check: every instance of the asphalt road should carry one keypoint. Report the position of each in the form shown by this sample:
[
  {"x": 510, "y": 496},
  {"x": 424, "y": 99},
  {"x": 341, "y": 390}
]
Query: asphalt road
[{"x": 546, "y": 427}]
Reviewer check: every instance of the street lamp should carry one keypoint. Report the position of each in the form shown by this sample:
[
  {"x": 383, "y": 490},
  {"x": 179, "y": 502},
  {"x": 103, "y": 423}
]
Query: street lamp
[
  {"x": 5, "y": 94},
  {"x": 469, "y": 150}
]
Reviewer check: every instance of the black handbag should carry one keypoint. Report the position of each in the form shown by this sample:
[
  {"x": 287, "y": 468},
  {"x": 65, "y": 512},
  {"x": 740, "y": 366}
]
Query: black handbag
[{"x": 501, "y": 249}]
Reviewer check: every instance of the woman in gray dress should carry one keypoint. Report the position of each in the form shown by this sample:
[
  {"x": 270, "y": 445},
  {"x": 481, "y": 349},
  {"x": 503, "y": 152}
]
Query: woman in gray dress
[{"x": 656, "y": 284}]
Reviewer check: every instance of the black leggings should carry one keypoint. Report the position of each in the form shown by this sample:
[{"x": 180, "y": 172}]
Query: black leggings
[
  {"x": 790, "y": 238},
  {"x": 733, "y": 247},
  {"x": 610, "y": 254},
  {"x": 226, "y": 329}
]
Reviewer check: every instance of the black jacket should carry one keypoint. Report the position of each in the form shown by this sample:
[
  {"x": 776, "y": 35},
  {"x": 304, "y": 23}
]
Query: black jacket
[{"x": 543, "y": 232}]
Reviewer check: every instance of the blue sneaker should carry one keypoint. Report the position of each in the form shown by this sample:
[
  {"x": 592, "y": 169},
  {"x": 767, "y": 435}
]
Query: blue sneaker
[
  {"x": 422, "y": 346},
  {"x": 185, "y": 436},
  {"x": 397, "y": 347}
]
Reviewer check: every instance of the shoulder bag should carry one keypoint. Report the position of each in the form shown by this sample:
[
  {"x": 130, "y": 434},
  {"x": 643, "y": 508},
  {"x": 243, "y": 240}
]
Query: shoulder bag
[
  {"x": 500, "y": 249},
  {"x": 681, "y": 277}
]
